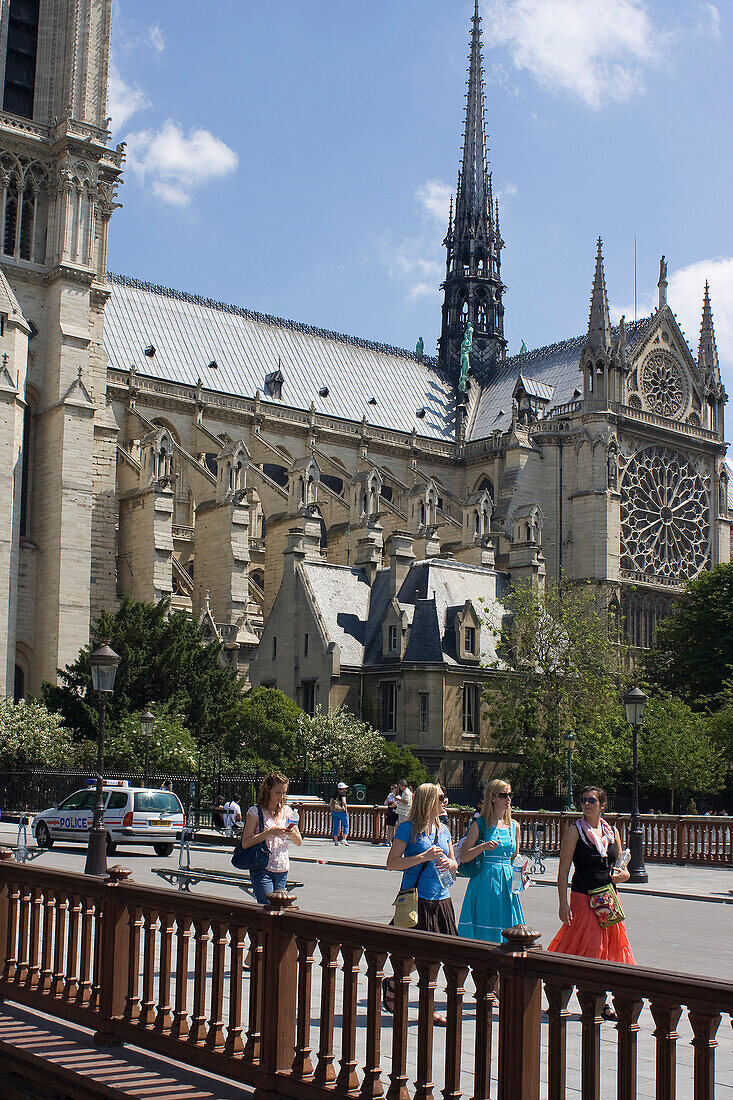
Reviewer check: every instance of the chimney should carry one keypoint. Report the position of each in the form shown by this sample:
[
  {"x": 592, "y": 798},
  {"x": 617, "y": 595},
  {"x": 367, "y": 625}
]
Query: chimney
[
  {"x": 312, "y": 535},
  {"x": 401, "y": 557},
  {"x": 369, "y": 553}
]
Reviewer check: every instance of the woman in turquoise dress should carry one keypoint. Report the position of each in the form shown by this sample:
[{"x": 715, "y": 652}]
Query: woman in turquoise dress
[{"x": 489, "y": 905}]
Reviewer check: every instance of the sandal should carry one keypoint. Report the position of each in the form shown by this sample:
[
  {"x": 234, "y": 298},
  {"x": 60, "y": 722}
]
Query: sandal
[
  {"x": 388, "y": 994},
  {"x": 439, "y": 1021},
  {"x": 608, "y": 1013}
]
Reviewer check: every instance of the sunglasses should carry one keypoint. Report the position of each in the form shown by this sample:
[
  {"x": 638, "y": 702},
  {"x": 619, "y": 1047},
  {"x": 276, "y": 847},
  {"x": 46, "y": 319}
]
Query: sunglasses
[
  {"x": 590, "y": 800},
  {"x": 504, "y": 794},
  {"x": 443, "y": 797}
]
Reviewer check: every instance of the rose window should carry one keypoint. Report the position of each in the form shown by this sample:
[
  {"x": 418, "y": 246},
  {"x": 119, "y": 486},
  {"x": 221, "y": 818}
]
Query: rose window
[
  {"x": 665, "y": 516},
  {"x": 663, "y": 385}
]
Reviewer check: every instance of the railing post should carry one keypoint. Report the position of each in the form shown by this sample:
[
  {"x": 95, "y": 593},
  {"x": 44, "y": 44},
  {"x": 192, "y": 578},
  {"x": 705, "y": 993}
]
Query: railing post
[
  {"x": 6, "y": 856},
  {"x": 112, "y": 957},
  {"x": 375, "y": 837},
  {"x": 520, "y": 1004},
  {"x": 280, "y": 1004},
  {"x": 681, "y": 853}
]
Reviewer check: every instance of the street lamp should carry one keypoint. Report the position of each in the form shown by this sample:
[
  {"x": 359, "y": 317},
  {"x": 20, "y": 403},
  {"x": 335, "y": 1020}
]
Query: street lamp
[
  {"x": 147, "y": 721},
  {"x": 570, "y": 742},
  {"x": 635, "y": 703},
  {"x": 104, "y": 662}
]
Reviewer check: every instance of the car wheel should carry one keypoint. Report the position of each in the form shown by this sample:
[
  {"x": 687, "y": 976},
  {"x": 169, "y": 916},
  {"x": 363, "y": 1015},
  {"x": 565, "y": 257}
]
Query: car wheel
[
  {"x": 163, "y": 849},
  {"x": 110, "y": 845},
  {"x": 43, "y": 836}
]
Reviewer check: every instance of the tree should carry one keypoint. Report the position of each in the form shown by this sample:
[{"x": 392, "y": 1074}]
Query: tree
[
  {"x": 32, "y": 737},
  {"x": 692, "y": 656},
  {"x": 559, "y": 671},
  {"x": 266, "y": 731},
  {"x": 164, "y": 659},
  {"x": 676, "y": 754},
  {"x": 171, "y": 748},
  {"x": 336, "y": 740}
]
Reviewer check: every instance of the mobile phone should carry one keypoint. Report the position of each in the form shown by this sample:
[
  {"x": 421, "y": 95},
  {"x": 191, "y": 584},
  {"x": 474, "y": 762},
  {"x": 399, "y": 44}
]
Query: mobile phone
[{"x": 291, "y": 825}]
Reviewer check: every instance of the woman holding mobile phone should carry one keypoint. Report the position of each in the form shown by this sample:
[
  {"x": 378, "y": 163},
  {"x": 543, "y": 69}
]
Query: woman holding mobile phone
[{"x": 272, "y": 821}]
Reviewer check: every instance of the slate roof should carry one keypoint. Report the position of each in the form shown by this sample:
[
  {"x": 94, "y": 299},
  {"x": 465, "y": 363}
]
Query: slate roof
[
  {"x": 432, "y": 594},
  {"x": 556, "y": 365},
  {"x": 188, "y": 333}
]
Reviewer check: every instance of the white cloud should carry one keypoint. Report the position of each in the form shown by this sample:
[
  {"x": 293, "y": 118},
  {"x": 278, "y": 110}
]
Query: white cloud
[
  {"x": 709, "y": 20},
  {"x": 505, "y": 194},
  {"x": 174, "y": 164},
  {"x": 156, "y": 39},
  {"x": 123, "y": 101},
  {"x": 684, "y": 295},
  {"x": 434, "y": 197},
  {"x": 596, "y": 50}
]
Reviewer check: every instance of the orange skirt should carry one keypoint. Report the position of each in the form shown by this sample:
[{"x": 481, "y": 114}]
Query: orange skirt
[{"x": 584, "y": 935}]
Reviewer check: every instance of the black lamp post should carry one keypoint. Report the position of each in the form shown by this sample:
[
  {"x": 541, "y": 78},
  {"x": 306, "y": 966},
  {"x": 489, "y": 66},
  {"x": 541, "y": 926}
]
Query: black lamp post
[
  {"x": 104, "y": 662},
  {"x": 635, "y": 703},
  {"x": 570, "y": 742},
  {"x": 147, "y": 721}
]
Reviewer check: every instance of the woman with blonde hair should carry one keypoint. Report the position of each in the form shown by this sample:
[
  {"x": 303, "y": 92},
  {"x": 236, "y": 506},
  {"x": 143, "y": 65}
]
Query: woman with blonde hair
[
  {"x": 271, "y": 820},
  {"x": 423, "y": 850},
  {"x": 489, "y": 905}
]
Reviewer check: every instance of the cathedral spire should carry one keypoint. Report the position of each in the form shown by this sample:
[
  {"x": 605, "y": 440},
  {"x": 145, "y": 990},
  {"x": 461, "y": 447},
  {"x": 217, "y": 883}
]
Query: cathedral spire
[
  {"x": 599, "y": 322},
  {"x": 473, "y": 287},
  {"x": 707, "y": 355}
]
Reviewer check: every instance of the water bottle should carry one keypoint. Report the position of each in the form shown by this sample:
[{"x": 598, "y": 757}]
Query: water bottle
[
  {"x": 622, "y": 860},
  {"x": 445, "y": 878},
  {"x": 517, "y": 875}
]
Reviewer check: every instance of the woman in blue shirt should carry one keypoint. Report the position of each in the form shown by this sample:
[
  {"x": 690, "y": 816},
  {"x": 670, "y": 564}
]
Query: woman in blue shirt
[{"x": 422, "y": 849}]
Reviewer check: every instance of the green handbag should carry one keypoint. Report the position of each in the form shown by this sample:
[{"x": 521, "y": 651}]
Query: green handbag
[{"x": 473, "y": 866}]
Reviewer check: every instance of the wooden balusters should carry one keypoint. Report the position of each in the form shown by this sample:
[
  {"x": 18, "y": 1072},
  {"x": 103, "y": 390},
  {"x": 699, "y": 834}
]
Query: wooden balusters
[
  {"x": 164, "y": 1014},
  {"x": 71, "y": 985},
  {"x": 215, "y": 1035},
  {"x": 401, "y": 969},
  {"x": 12, "y": 900},
  {"x": 234, "y": 1045},
  {"x": 325, "y": 1074},
  {"x": 302, "y": 1064},
  {"x": 132, "y": 998},
  {"x": 46, "y": 975},
  {"x": 59, "y": 943},
  {"x": 455, "y": 976},
  {"x": 202, "y": 937},
  {"x": 24, "y": 917},
  {"x": 557, "y": 1012},
  {"x": 256, "y": 997},
  {"x": 591, "y": 1006},
  {"x": 347, "y": 1081},
  {"x": 146, "y": 1017},
  {"x": 34, "y": 938},
  {"x": 627, "y": 1009},
  {"x": 704, "y": 1026},
  {"x": 371, "y": 1085},
  {"x": 485, "y": 983},
  {"x": 666, "y": 1016},
  {"x": 84, "y": 994},
  {"x": 179, "y": 1028},
  {"x": 112, "y": 973},
  {"x": 99, "y": 933},
  {"x": 427, "y": 981}
]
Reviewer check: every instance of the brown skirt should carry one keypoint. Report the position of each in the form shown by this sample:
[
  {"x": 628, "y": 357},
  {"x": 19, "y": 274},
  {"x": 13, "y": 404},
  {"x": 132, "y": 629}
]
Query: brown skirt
[{"x": 436, "y": 916}]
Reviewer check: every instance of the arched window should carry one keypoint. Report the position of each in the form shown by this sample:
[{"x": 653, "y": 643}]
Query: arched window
[{"x": 11, "y": 214}]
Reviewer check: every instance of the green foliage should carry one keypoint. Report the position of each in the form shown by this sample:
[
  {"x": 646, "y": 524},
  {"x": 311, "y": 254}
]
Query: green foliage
[
  {"x": 337, "y": 740},
  {"x": 399, "y": 762},
  {"x": 171, "y": 749},
  {"x": 719, "y": 724},
  {"x": 266, "y": 732},
  {"x": 561, "y": 670},
  {"x": 164, "y": 659},
  {"x": 693, "y": 648},
  {"x": 32, "y": 737},
  {"x": 676, "y": 753}
]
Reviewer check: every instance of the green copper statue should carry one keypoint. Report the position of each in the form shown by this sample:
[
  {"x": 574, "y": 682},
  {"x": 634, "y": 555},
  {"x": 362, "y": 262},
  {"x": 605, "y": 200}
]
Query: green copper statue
[
  {"x": 465, "y": 361},
  {"x": 419, "y": 348}
]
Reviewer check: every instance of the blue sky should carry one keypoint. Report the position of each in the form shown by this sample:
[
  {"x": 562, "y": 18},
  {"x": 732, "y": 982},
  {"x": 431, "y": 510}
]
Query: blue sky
[{"x": 296, "y": 156}]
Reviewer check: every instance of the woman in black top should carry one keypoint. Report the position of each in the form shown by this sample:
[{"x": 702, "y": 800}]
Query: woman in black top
[{"x": 592, "y": 847}]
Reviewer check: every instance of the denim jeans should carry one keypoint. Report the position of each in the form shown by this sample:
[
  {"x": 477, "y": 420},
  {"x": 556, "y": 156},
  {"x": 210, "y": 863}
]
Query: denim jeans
[
  {"x": 340, "y": 818},
  {"x": 265, "y": 882}
]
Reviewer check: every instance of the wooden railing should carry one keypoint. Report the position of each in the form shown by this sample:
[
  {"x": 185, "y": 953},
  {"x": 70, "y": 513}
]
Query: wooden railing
[
  {"x": 233, "y": 989},
  {"x": 667, "y": 839}
]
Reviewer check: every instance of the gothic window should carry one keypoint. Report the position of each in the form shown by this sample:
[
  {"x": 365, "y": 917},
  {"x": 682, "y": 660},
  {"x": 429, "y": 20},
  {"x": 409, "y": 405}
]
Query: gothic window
[
  {"x": 20, "y": 59},
  {"x": 663, "y": 385},
  {"x": 482, "y": 315},
  {"x": 26, "y": 229},
  {"x": 334, "y": 483},
  {"x": 11, "y": 214},
  {"x": 423, "y": 700},
  {"x": 276, "y": 473},
  {"x": 635, "y": 401},
  {"x": 308, "y": 689},
  {"x": 486, "y": 484},
  {"x": 464, "y": 313},
  {"x": 665, "y": 517}
]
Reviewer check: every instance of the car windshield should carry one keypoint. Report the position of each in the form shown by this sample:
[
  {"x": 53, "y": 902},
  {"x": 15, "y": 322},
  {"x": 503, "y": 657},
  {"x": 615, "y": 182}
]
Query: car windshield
[{"x": 157, "y": 801}]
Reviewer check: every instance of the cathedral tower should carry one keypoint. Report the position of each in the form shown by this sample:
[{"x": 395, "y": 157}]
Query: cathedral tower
[
  {"x": 473, "y": 288},
  {"x": 58, "y": 181}
]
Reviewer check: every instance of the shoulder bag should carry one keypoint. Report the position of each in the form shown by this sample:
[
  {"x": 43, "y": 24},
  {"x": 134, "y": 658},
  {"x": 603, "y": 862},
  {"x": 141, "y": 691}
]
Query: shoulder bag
[
  {"x": 255, "y": 858},
  {"x": 605, "y": 903},
  {"x": 405, "y": 904},
  {"x": 472, "y": 867}
]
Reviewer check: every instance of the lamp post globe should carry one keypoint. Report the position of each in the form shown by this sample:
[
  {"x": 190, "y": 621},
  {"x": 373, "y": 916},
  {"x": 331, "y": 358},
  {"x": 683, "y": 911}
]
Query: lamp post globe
[
  {"x": 104, "y": 662},
  {"x": 570, "y": 742},
  {"x": 147, "y": 721},
  {"x": 635, "y": 703}
]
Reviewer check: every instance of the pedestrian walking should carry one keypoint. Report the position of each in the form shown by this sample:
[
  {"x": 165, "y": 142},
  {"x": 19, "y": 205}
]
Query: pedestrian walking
[
  {"x": 390, "y": 818},
  {"x": 593, "y": 921},
  {"x": 490, "y": 905},
  {"x": 217, "y": 814},
  {"x": 422, "y": 849},
  {"x": 404, "y": 800},
  {"x": 340, "y": 814},
  {"x": 271, "y": 821}
]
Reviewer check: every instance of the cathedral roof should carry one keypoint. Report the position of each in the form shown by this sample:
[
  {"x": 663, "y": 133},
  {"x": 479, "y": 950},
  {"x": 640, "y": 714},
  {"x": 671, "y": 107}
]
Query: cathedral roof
[
  {"x": 232, "y": 349},
  {"x": 556, "y": 366}
]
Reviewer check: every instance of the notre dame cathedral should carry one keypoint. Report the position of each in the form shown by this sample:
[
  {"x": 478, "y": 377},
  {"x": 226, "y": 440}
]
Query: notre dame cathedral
[{"x": 345, "y": 516}]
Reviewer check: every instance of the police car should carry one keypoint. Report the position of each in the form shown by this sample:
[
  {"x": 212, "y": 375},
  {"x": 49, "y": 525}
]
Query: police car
[{"x": 132, "y": 815}]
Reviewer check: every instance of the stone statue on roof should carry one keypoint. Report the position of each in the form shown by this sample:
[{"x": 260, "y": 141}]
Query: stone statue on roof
[
  {"x": 419, "y": 348},
  {"x": 465, "y": 357}
]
